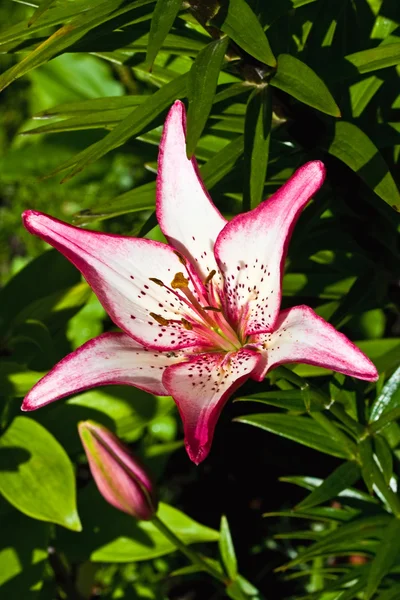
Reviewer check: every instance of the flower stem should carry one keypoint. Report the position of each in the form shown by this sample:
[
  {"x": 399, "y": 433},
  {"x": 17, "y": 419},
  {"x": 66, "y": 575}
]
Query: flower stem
[{"x": 195, "y": 558}]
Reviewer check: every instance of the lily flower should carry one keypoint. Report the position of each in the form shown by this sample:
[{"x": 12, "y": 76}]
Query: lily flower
[
  {"x": 120, "y": 477},
  {"x": 202, "y": 314}
]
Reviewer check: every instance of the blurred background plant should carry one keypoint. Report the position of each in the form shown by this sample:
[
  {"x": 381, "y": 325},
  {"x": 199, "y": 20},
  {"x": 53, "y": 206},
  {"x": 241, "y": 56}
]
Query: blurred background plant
[{"x": 268, "y": 85}]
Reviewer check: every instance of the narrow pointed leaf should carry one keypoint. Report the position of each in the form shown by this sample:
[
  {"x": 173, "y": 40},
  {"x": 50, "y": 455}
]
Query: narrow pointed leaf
[
  {"x": 239, "y": 22},
  {"x": 36, "y": 475},
  {"x": 131, "y": 126},
  {"x": 201, "y": 86},
  {"x": 163, "y": 17},
  {"x": 297, "y": 79},
  {"x": 389, "y": 398},
  {"x": 143, "y": 197},
  {"x": 387, "y": 55},
  {"x": 352, "y": 146},
  {"x": 45, "y": 5},
  {"x": 60, "y": 40},
  {"x": 256, "y": 146},
  {"x": 227, "y": 549},
  {"x": 385, "y": 457},
  {"x": 300, "y": 429},
  {"x": 343, "y": 477},
  {"x": 386, "y": 555}
]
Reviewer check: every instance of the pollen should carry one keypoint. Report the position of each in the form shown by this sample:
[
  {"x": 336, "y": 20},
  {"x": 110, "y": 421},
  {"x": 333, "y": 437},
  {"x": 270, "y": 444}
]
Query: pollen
[
  {"x": 179, "y": 282},
  {"x": 159, "y": 319},
  {"x": 186, "y": 324}
]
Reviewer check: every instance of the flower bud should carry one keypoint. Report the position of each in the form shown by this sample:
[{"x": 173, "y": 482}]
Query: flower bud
[{"x": 120, "y": 477}]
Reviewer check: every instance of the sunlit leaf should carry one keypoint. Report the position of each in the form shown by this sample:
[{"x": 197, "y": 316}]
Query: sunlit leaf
[
  {"x": 300, "y": 429},
  {"x": 239, "y": 22},
  {"x": 163, "y": 17},
  {"x": 300, "y": 81},
  {"x": 36, "y": 475},
  {"x": 352, "y": 146}
]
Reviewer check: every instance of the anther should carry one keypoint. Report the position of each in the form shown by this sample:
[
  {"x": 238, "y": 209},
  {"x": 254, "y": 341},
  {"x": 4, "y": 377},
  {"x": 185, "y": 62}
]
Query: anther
[
  {"x": 213, "y": 308},
  {"x": 182, "y": 260},
  {"x": 159, "y": 319},
  {"x": 157, "y": 281},
  {"x": 186, "y": 324},
  {"x": 210, "y": 276},
  {"x": 179, "y": 282}
]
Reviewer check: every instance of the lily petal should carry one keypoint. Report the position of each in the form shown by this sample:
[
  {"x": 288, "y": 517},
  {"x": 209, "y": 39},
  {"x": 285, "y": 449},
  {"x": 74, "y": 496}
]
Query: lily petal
[
  {"x": 251, "y": 251},
  {"x": 111, "y": 358},
  {"x": 126, "y": 275},
  {"x": 201, "y": 387},
  {"x": 302, "y": 336},
  {"x": 185, "y": 212}
]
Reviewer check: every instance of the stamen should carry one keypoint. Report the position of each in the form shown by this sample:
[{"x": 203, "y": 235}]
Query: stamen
[
  {"x": 210, "y": 276},
  {"x": 213, "y": 308},
  {"x": 186, "y": 324},
  {"x": 157, "y": 281},
  {"x": 179, "y": 282},
  {"x": 159, "y": 319}
]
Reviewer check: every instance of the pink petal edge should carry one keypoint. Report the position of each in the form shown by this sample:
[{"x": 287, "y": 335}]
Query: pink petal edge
[
  {"x": 251, "y": 251},
  {"x": 110, "y": 359}
]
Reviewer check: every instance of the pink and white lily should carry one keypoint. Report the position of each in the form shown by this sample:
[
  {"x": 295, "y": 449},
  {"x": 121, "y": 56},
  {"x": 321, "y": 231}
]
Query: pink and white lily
[{"x": 201, "y": 315}]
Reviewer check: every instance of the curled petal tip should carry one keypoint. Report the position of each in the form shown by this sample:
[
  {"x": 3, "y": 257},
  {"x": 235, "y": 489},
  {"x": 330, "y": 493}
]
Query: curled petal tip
[{"x": 314, "y": 168}]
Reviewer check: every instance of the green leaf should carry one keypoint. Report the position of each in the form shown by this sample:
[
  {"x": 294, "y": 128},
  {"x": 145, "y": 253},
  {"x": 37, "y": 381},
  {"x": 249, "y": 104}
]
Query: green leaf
[
  {"x": 61, "y": 39},
  {"x": 23, "y": 553},
  {"x": 300, "y": 429},
  {"x": 352, "y": 146},
  {"x": 45, "y": 5},
  {"x": 347, "y": 535},
  {"x": 112, "y": 536},
  {"x": 256, "y": 146},
  {"x": 385, "y": 457},
  {"x": 33, "y": 283},
  {"x": 287, "y": 399},
  {"x": 36, "y": 474},
  {"x": 362, "y": 92},
  {"x": 144, "y": 197},
  {"x": 386, "y": 555},
  {"x": 164, "y": 15},
  {"x": 16, "y": 380},
  {"x": 300, "y": 81},
  {"x": 131, "y": 126},
  {"x": 227, "y": 549},
  {"x": 343, "y": 477},
  {"x": 123, "y": 409},
  {"x": 388, "y": 399},
  {"x": 386, "y": 55},
  {"x": 201, "y": 86},
  {"x": 239, "y": 22}
]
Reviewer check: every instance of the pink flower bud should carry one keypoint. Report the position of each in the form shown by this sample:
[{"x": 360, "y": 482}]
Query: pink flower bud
[{"x": 120, "y": 477}]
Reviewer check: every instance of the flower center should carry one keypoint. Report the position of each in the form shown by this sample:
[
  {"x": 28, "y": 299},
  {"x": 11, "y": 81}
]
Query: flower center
[{"x": 207, "y": 319}]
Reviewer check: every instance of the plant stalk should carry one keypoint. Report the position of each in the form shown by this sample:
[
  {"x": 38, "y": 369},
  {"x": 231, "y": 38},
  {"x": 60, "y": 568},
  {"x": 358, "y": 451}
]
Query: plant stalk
[{"x": 195, "y": 558}]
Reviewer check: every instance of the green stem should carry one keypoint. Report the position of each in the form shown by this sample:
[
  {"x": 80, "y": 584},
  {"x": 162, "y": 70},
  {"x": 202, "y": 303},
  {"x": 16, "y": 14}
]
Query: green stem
[{"x": 195, "y": 558}]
